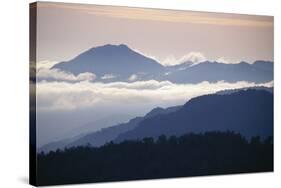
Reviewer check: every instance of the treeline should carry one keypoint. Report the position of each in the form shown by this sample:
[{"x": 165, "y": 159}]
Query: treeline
[{"x": 189, "y": 155}]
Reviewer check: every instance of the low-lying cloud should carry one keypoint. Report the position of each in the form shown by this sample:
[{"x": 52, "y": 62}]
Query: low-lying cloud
[
  {"x": 108, "y": 76},
  {"x": 63, "y": 106},
  {"x": 44, "y": 72},
  {"x": 85, "y": 94},
  {"x": 194, "y": 57},
  {"x": 133, "y": 77}
]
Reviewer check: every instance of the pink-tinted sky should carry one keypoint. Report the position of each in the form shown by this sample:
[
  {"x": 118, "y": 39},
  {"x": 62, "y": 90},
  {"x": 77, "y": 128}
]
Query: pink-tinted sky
[{"x": 65, "y": 30}]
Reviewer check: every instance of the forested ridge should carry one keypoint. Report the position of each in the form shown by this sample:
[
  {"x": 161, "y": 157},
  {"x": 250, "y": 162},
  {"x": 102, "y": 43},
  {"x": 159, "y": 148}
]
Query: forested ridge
[{"x": 207, "y": 153}]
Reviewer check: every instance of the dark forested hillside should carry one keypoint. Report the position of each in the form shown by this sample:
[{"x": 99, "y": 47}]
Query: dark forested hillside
[
  {"x": 165, "y": 157},
  {"x": 248, "y": 112}
]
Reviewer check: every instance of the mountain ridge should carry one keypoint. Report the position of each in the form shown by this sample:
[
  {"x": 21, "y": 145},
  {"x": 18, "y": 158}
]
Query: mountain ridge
[
  {"x": 120, "y": 132},
  {"x": 248, "y": 112},
  {"x": 120, "y": 63},
  {"x": 100, "y": 137}
]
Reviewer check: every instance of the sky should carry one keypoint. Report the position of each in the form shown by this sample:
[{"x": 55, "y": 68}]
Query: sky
[
  {"x": 66, "y": 30},
  {"x": 68, "y": 102}
]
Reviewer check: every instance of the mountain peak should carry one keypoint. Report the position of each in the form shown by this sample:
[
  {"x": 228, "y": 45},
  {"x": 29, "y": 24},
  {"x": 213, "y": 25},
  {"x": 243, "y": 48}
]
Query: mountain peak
[
  {"x": 112, "y": 46},
  {"x": 244, "y": 63},
  {"x": 117, "y": 59},
  {"x": 123, "y": 45},
  {"x": 154, "y": 111},
  {"x": 262, "y": 62}
]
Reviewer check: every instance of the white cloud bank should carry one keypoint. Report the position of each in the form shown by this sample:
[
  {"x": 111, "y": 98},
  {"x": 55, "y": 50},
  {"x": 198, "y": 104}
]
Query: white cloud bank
[
  {"x": 44, "y": 72},
  {"x": 108, "y": 76},
  {"x": 194, "y": 57},
  {"x": 85, "y": 94},
  {"x": 133, "y": 77},
  {"x": 45, "y": 64}
]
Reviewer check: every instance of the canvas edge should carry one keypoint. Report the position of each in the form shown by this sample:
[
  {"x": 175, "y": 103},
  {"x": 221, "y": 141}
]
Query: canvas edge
[{"x": 32, "y": 93}]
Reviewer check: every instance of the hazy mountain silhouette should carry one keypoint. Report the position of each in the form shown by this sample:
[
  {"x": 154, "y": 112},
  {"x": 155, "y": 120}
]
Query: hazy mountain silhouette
[
  {"x": 100, "y": 123},
  {"x": 60, "y": 144},
  {"x": 119, "y": 63},
  {"x": 158, "y": 110},
  {"x": 83, "y": 130},
  {"x": 264, "y": 65},
  {"x": 258, "y": 72},
  {"x": 248, "y": 112},
  {"x": 117, "y": 60},
  {"x": 98, "y": 138},
  {"x": 230, "y": 91},
  {"x": 108, "y": 134}
]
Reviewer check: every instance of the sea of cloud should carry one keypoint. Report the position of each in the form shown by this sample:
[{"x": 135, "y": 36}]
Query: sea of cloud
[
  {"x": 66, "y": 101},
  {"x": 59, "y": 90},
  {"x": 61, "y": 95}
]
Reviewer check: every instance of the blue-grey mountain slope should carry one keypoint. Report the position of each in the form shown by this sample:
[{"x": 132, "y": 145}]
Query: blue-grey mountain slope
[
  {"x": 230, "y": 91},
  {"x": 248, "y": 112},
  {"x": 60, "y": 144},
  {"x": 111, "y": 62},
  {"x": 258, "y": 72},
  {"x": 98, "y": 138},
  {"x": 120, "y": 63}
]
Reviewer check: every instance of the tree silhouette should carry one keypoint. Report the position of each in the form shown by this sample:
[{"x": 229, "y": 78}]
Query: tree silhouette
[{"x": 188, "y": 155}]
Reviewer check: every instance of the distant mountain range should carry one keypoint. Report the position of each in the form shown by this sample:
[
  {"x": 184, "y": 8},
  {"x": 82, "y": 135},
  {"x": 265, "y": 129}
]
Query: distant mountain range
[
  {"x": 120, "y": 63},
  {"x": 246, "y": 111},
  {"x": 258, "y": 72},
  {"x": 98, "y": 138}
]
